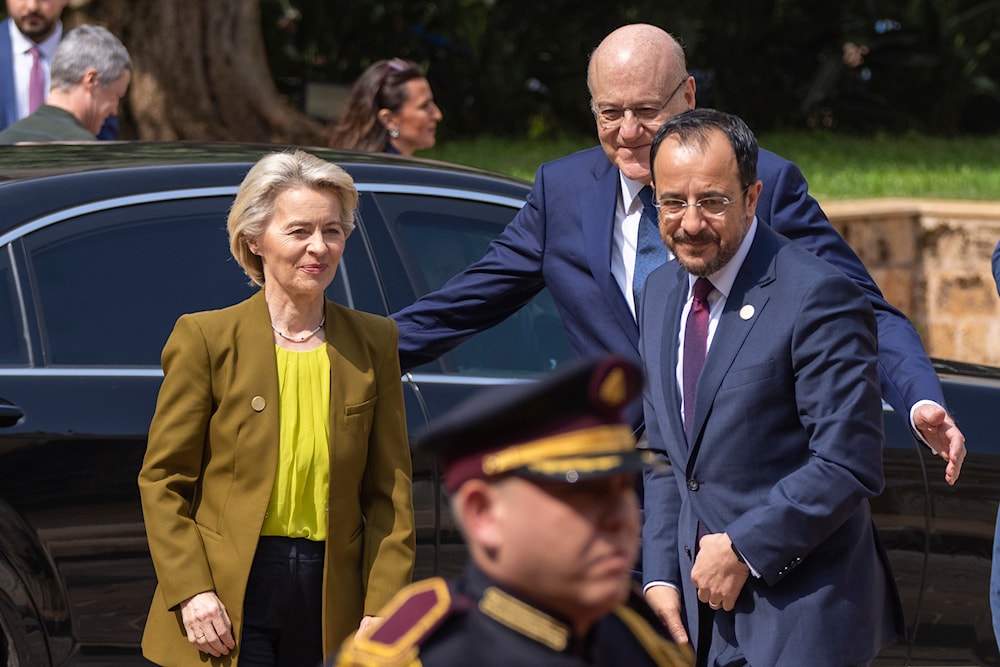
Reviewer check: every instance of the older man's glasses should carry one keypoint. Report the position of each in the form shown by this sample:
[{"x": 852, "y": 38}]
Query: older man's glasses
[
  {"x": 648, "y": 116},
  {"x": 713, "y": 207}
]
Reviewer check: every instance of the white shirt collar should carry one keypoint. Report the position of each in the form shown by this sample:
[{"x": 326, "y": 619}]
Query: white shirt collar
[{"x": 630, "y": 193}]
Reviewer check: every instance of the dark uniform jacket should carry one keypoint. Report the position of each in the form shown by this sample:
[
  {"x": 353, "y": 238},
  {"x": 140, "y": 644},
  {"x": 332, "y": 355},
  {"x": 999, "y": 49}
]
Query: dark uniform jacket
[{"x": 470, "y": 621}]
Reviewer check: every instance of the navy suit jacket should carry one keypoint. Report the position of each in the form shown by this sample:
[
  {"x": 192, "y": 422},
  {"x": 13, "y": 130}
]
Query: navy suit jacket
[
  {"x": 8, "y": 96},
  {"x": 562, "y": 239},
  {"x": 995, "y": 261},
  {"x": 786, "y": 449}
]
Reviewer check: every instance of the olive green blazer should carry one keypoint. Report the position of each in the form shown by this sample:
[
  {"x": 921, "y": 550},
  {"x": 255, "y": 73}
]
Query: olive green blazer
[{"x": 212, "y": 454}]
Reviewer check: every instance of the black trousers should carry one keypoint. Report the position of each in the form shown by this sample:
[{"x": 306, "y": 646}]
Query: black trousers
[{"x": 283, "y": 610}]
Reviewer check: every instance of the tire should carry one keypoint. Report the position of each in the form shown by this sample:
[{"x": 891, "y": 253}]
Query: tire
[{"x": 22, "y": 640}]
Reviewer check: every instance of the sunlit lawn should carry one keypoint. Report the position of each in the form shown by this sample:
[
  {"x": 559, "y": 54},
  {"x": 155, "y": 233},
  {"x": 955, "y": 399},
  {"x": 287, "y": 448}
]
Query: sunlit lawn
[{"x": 836, "y": 166}]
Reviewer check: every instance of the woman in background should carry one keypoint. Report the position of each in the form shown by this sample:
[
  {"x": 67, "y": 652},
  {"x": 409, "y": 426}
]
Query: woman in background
[
  {"x": 276, "y": 485},
  {"x": 390, "y": 109}
]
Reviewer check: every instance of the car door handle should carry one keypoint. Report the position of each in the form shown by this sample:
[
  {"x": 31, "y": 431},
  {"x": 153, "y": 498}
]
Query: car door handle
[{"x": 10, "y": 414}]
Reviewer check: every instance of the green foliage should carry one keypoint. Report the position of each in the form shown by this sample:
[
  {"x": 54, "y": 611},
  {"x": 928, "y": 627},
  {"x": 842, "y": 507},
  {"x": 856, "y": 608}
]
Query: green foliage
[
  {"x": 514, "y": 67},
  {"x": 515, "y": 157},
  {"x": 518, "y": 67},
  {"x": 929, "y": 65},
  {"x": 836, "y": 166}
]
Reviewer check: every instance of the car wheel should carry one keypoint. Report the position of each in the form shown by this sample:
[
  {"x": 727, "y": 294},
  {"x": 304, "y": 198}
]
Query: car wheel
[{"x": 14, "y": 637}]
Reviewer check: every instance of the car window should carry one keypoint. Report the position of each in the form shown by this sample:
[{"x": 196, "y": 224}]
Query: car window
[
  {"x": 437, "y": 238},
  {"x": 13, "y": 346},
  {"x": 110, "y": 285}
]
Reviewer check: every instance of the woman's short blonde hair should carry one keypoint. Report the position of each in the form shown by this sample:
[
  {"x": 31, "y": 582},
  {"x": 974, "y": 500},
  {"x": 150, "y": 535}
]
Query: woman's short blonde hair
[{"x": 273, "y": 174}]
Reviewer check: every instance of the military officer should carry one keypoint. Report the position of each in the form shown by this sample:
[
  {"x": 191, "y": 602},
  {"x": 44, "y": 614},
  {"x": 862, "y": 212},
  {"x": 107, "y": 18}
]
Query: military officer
[{"x": 542, "y": 483}]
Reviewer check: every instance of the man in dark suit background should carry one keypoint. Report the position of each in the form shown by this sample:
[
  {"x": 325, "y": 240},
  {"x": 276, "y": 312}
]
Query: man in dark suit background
[
  {"x": 775, "y": 445},
  {"x": 578, "y": 235}
]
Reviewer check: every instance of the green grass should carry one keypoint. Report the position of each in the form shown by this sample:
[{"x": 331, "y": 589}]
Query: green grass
[
  {"x": 836, "y": 166},
  {"x": 515, "y": 157}
]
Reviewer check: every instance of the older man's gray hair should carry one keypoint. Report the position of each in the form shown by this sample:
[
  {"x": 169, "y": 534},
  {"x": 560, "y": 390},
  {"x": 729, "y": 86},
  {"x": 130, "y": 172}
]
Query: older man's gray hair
[{"x": 84, "y": 48}]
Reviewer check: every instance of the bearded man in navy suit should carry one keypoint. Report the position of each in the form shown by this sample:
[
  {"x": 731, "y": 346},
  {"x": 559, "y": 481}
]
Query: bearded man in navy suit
[
  {"x": 578, "y": 235},
  {"x": 760, "y": 528}
]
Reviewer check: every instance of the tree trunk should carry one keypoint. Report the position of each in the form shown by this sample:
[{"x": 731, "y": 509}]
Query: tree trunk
[{"x": 200, "y": 71}]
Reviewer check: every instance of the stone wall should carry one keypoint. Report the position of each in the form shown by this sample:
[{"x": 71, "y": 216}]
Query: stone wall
[{"x": 932, "y": 260}]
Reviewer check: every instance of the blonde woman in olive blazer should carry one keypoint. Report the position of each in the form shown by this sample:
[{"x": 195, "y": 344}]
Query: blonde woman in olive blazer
[{"x": 212, "y": 455}]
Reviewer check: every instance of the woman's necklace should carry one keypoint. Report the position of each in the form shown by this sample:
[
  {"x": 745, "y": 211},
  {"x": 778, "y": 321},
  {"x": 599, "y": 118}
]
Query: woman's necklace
[{"x": 300, "y": 339}]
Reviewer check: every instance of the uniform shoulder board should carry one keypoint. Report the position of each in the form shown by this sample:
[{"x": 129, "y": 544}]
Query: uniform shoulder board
[
  {"x": 664, "y": 652},
  {"x": 408, "y": 620}
]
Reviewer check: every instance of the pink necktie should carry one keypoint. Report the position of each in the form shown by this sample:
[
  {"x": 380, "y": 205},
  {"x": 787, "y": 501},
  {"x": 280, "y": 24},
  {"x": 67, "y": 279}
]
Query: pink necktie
[
  {"x": 695, "y": 341},
  {"x": 36, "y": 83}
]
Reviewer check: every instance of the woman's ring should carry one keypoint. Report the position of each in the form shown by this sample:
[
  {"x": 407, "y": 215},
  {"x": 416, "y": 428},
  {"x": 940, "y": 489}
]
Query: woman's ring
[{"x": 199, "y": 636}]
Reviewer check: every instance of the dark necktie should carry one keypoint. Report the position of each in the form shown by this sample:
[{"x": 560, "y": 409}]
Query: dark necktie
[
  {"x": 695, "y": 341},
  {"x": 36, "y": 81},
  {"x": 649, "y": 250}
]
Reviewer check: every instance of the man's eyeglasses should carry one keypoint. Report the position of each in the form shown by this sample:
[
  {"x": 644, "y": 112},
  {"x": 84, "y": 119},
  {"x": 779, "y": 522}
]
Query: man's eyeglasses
[
  {"x": 674, "y": 209},
  {"x": 612, "y": 117}
]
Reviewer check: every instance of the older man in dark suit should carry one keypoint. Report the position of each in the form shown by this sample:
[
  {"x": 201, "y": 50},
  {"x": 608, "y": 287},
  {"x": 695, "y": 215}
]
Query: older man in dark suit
[{"x": 581, "y": 230}]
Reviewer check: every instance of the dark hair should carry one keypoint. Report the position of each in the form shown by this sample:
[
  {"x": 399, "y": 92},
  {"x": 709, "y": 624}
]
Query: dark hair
[
  {"x": 381, "y": 86},
  {"x": 693, "y": 126}
]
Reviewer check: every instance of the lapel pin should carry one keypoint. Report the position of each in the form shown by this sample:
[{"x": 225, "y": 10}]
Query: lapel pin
[{"x": 746, "y": 312}]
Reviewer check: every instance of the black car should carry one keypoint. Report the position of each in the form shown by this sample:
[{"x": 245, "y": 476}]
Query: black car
[{"x": 103, "y": 246}]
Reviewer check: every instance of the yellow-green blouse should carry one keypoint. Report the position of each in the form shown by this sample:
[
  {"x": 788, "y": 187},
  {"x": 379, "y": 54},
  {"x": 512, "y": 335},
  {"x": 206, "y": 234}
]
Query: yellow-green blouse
[{"x": 302, "y": 483}]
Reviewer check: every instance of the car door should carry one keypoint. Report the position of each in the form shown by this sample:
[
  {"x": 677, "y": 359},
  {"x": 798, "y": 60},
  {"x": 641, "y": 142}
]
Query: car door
[
  {"x": 98, "y": 288},
  {"x": 436, "y": 233}
]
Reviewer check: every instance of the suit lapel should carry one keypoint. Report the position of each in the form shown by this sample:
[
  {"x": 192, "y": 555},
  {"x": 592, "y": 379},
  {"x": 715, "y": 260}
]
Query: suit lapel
[
  {"x": 598, "y": 203},
  {"x": 676, "y": 297},
  {"x": 745, "y": 305},
  {"x": 8, "y": 110},
  {"x": 257, "y": 383}
]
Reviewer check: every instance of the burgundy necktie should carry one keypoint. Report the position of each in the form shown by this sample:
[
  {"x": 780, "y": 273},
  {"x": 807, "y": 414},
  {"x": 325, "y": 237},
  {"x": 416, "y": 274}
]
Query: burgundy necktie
[
  {"x": 36, "y": 82},
  {"x": 695, "y": 340}
]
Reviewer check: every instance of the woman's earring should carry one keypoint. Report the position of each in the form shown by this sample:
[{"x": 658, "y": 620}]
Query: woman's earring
[{"x": 394, "y": 133}]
